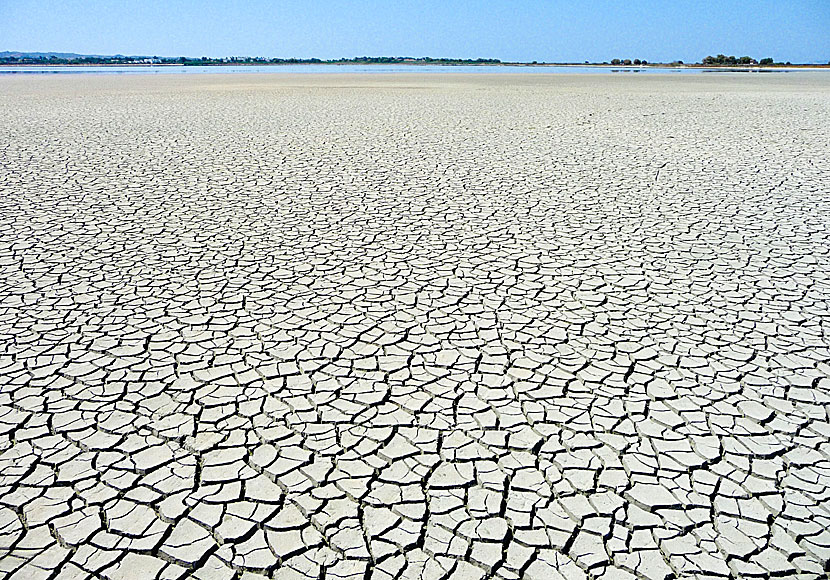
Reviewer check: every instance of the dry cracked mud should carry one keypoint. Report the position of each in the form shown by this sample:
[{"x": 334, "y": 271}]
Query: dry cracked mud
[{"x": 382, "y": 327}]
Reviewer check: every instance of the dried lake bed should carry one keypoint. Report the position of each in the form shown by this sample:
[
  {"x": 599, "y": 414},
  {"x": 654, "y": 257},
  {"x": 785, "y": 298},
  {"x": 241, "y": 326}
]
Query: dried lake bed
[{"x": 415, "y": 326}]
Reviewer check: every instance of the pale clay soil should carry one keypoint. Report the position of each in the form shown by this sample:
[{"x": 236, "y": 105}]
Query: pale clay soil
[{"x": 378, "y": 327}]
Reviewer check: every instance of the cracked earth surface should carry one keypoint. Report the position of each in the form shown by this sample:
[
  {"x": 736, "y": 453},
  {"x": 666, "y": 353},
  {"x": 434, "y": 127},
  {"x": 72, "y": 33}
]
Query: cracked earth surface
[{"x": 415, "y": 327}]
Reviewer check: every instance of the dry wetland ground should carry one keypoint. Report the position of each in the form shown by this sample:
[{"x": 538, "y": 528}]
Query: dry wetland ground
[{"x": 412, "y": 326}]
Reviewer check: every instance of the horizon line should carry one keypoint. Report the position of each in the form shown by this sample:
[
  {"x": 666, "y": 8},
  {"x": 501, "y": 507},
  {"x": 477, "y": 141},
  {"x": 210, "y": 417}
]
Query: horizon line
[{"x": 66, "y": 55}]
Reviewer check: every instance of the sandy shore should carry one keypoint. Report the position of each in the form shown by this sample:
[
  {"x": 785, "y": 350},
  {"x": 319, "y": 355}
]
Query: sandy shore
[{"x": 455, "y": 326}]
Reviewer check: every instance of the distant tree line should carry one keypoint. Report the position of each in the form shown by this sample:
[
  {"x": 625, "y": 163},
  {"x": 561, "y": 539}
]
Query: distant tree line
[
  {"x": 35, "y": 59},
  {"x": 188, "y": 61},
  {"x": 627, "y": 61},
  {"x": 80, "y": 60},
  {"x": 356, "y": 60},
  {"x": 723, "y": 60}
]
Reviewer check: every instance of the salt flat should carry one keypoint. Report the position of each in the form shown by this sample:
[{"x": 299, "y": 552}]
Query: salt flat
[{"x": 415, "y": 326}]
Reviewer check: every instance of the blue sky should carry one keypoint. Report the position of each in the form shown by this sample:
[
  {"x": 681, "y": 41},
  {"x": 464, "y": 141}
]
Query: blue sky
[{"x": 573, "y": 31}]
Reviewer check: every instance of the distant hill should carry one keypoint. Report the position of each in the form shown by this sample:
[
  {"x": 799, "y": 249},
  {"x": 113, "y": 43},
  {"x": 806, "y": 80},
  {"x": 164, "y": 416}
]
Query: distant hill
[
  {"x": 18, "y": 54},
  {"x": 22, "y": 54}
]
